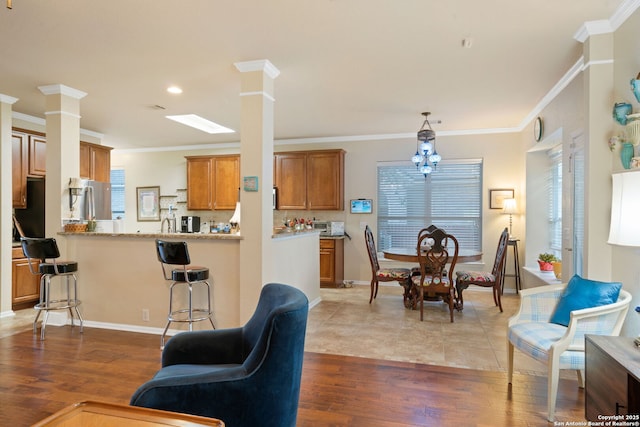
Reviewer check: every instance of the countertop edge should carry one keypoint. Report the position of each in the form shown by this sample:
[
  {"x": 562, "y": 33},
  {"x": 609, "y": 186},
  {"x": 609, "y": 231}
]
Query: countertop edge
[{"x": 193, "y": 236}]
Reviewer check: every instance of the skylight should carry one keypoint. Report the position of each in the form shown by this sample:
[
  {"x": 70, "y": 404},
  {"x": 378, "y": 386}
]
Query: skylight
[{"x": 200, "y": 123}]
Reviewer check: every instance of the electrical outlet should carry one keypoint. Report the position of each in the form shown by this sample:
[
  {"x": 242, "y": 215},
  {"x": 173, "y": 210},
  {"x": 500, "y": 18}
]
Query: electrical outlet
[
  {"x": 145, "y": 314},
  {"x": 363, "y": 225}
]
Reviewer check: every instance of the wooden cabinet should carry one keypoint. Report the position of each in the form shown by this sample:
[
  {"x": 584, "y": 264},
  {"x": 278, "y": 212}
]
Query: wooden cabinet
[
  {"x": 19, "y": 169},
  {"x": 95, "y": 162},
  {"x": 331, "y": 262},
  {"x": 25, "y": 285},
  {"x": 37, "y": 155},
  {"x": 212, "y": 182},
  {"x": 310, "y": 180},
  {"x": 612, "y": 378}
]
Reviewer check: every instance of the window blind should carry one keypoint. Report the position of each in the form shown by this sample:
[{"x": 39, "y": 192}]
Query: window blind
[
  {"x": 555, "y": 200},
  {"x": 450, "y": 198},
  {"x": 117, "y": 193}
]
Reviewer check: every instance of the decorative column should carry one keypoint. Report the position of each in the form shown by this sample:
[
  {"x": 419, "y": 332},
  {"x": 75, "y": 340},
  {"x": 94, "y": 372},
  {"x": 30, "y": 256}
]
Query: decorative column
[
  {"x": 256, "y": 160},
  {"x": 598, "y": 51},
  {"x": 62, "y": 111},
  {"x": 6, "y": 203}
]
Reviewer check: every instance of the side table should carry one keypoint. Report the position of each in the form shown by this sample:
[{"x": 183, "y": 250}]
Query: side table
[{"x": 512, "y": 242}]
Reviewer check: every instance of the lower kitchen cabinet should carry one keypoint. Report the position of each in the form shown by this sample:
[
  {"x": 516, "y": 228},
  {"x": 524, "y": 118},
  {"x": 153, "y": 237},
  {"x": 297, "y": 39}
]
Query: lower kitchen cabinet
[
  {"x": 25, "y": 286},
  {"x": 331, "y": 263},
  {"x": 612, "y": 376}
]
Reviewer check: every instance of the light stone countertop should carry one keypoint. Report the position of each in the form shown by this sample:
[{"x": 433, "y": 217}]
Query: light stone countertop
[{"x": 194, "y": 236}]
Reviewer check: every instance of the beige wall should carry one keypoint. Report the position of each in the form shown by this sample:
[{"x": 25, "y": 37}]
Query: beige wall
[{"x": 503, "y": 168}]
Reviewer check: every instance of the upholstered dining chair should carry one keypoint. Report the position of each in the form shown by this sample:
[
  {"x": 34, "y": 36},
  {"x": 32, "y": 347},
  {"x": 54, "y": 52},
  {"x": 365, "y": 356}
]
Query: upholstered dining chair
[
  {"x": 400, "y": 275},
  {"x": 487, "y": 279},
  {"x": 246, "y": 376},
  {"x": 552, "y": 321},
  {"x": 435, "y": 250}
]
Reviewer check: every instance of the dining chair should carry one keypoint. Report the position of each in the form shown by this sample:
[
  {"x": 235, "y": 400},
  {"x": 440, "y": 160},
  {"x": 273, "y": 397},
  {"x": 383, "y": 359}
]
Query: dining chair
[
  {"x": 400, "y": 275},
  {"x": 415, "y": 271},
  {"x": 486, "y": 279},
  {"x": 435, "y": 250}
]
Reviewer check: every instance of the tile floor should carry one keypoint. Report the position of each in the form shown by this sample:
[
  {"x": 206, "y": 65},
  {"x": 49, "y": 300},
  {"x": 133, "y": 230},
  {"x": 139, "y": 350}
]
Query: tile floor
[{"x": 345, "y": 323}]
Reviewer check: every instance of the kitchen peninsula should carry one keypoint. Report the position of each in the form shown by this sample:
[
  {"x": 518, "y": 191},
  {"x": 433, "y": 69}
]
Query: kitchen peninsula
[{"x": 120, "y": 278}]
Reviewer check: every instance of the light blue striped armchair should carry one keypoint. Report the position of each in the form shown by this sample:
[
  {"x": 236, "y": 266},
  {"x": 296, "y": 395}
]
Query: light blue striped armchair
[{"x": 560, "y": 347}]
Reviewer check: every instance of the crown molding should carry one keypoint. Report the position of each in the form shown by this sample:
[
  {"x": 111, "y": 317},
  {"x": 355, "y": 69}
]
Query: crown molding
[
  {"x": 258, "y": 65},
  {"x": 8, "y": 99},
  {"x": 62, "y": 90}
]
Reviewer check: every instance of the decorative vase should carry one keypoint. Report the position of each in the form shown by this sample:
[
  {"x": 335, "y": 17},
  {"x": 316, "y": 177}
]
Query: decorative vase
[
  {"x": 620, "y": 112},
  {"x": 545, "y": 266},
  {"x": 626, "y": 154},
  {"x": 557, "y": 269},
  {"x": 635, "y": 87}
]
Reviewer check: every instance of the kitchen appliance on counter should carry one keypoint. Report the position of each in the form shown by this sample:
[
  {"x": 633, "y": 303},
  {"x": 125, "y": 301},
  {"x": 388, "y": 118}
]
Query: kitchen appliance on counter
[
  {"x": 329, "y": 228},
  {"x": 190, "y": 224}
]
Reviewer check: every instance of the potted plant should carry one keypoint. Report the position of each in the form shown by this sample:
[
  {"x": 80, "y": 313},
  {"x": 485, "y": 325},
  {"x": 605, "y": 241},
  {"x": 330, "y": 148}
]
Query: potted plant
[{"x": 545, "y": 261}]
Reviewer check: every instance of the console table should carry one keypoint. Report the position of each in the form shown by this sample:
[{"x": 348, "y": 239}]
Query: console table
[{"x": 612, "y": 378}]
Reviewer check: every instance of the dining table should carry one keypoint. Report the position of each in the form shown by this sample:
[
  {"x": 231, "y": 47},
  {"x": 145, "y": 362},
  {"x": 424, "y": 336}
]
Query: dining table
[{"x": 409, "y": 254}]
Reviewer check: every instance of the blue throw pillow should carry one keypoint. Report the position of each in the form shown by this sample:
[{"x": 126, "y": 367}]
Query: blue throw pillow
[{"x": 583, "y": 293}]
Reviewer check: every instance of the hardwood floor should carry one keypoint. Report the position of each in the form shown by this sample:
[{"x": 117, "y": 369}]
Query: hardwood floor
[{"x": 39, "y": 378}]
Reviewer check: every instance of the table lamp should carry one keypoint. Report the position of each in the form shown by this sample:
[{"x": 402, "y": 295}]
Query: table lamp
[
  {"x": 625, "y": 205},
  {"x": 510, "y": 208}
]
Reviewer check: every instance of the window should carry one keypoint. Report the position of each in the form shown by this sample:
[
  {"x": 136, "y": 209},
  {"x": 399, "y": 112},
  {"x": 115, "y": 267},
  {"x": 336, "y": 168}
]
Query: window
[
  {"x": 555, "y": 200},
  {"x": 450, "y": 198},
  {"x": 117, "y": 193}
]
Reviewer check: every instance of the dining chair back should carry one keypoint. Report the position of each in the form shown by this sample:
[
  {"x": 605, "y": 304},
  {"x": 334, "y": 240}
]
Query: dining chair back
[
  {"x": 435, "y": 250},
  {"x": 400, "y": 275},
  {"x": 491, "y": 279}
]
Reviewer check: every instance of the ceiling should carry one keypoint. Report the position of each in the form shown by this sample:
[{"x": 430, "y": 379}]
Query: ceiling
[{"x": 348, "y": 68}]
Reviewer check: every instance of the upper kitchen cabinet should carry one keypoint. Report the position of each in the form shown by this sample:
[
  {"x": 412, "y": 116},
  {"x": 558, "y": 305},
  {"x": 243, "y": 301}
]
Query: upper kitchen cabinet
[
  {"x": 20, "y": 164},
  {"x": 310, "y": 180},
  {"x": 212, "y": 182},
  {"x": 37, "y": 155},
  {"x": 95, "y": 162}
]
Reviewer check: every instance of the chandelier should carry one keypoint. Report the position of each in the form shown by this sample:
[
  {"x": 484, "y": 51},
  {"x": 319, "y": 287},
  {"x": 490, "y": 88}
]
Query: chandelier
[{"x": 426, "y": 158}]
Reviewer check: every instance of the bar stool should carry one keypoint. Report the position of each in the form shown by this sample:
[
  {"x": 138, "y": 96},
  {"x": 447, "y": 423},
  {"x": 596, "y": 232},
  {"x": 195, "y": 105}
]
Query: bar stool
[
  {"x": 176, "y": 254},
  {"x": 43, "y": 249}
]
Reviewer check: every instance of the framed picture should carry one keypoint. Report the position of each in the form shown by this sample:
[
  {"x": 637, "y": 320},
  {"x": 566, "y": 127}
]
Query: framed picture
[
  {"x": 250, "y": 183},
  {"x": 497, "y": 197},
  {"x": 148, "y": 203}
]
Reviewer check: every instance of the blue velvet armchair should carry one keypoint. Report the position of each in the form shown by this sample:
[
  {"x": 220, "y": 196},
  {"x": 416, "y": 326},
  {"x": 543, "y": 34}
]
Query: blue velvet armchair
[{"x": 247, "y": 376}]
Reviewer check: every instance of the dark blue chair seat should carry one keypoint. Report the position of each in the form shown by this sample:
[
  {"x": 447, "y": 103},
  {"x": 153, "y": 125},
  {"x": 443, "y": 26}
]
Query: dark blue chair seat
[
  {"x": 60, "y": 267},
  {"x": 246, "y": 377},
  {"x": 194, "y": 274}
]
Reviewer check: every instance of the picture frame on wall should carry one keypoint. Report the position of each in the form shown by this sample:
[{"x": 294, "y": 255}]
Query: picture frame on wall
[
  {"x": 497, "y": 197},
  {"x": 148, "y": 203}
]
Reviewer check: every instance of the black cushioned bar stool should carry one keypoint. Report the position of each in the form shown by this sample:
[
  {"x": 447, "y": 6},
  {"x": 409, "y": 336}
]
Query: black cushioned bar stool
[
  {"x": 45, "y": 250},
  {"x": 170, "y": 255}
]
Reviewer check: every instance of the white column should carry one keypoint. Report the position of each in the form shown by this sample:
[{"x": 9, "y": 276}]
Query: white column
[
  {"x": 6, "y": 203},
  {"x": 62, "y": 105},
  {"x": 256, "y": 159}
]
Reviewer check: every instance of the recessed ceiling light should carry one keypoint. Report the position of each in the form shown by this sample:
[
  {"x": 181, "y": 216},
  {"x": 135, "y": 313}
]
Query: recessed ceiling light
[
  {"x": 174, "y": 90},
  {"x": 200, "y": 123}
]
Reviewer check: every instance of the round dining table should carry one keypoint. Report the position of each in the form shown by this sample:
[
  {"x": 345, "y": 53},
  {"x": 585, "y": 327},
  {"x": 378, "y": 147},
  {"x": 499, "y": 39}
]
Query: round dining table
[{"x": 409, "y": 255}]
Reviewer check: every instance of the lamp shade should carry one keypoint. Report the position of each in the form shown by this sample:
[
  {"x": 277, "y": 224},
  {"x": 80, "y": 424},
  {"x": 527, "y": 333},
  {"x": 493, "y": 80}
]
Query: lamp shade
[
  {"x": 625, "y": 209},
  {"x": 509, "y": 207}
]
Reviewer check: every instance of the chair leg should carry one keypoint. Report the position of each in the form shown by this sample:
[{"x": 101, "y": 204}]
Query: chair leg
[
  {"x": 509, "y": 362},
  {"x": 552, "y": 385},
  {"x": 496, "y": 296},
  {"x": 460, "y": 304},
  {"x": 451, "y": 295},
  {"x": 374, "y": 285},
  {"x": 421, "y": 296},
  {"x": 580, "y": 373}
]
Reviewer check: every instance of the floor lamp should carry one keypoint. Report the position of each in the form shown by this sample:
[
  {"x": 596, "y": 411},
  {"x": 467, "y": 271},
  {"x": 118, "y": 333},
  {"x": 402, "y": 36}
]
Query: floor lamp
[{"x": 510, "y": 209}]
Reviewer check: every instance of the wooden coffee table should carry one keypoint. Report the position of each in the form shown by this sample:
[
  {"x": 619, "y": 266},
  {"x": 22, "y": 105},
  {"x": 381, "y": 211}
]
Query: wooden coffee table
[{"x": 94, "y": 414}]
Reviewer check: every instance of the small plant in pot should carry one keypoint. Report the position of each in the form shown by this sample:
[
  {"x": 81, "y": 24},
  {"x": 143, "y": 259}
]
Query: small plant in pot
[{"x": 546, "y": 260}]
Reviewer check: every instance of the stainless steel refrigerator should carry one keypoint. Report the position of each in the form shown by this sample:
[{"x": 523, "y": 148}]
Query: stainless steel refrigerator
[{"x": 95, "y": 201}]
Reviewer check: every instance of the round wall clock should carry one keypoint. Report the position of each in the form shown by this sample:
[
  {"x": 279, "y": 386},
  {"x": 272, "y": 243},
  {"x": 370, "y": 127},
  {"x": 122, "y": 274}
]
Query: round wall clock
[{"x": 538, "y": 129}]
